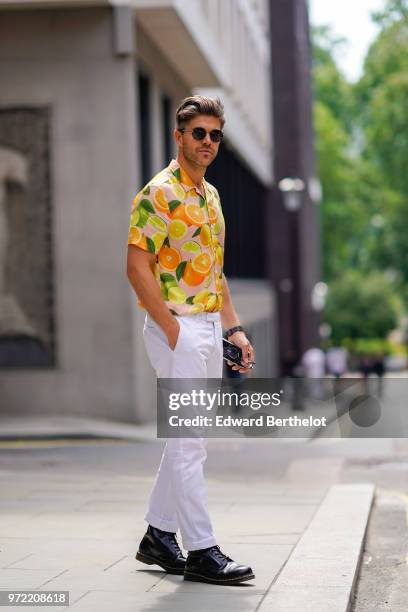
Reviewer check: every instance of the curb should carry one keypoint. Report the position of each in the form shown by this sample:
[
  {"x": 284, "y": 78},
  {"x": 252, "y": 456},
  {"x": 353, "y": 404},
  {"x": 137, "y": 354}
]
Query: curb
[
  {"x": 53, "y": 428},
  {"x": 321, "y": 573}
]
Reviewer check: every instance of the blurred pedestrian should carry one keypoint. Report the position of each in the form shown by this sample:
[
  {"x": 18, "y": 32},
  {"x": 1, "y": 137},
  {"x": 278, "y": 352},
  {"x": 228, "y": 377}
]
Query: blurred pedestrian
[
  {"x": 313, "y": 362},
  {"x": 378, "y": 368},
  {"x": 336, "y": 361},
  {"x": 293, "y": 372}
]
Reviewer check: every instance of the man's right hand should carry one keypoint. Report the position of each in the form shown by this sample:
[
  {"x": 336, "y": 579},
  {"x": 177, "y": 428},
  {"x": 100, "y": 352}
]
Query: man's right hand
[
  {"x": 173, "y": 334},
  {"x": 140, "y": 271}
]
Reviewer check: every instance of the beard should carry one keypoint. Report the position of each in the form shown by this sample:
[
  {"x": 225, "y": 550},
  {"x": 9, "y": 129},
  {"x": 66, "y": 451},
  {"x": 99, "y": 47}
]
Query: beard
[{"x": 197, "y": 158}]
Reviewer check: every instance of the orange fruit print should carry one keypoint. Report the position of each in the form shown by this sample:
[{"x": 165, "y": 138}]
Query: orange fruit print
[
  {"x": 212, "y": 214},
  {"x": 169, "y": 258},
  {"x": 160, "y": 201},
  {"x": 137, "y": 237},
  {"x": 205, "y": 235},
  {"x": 182, "y": 225},
  {"x": 191, "y": 277},
  {"x": 195, "y": 214},
  {"x": 180, "y": 213},
  {"x": 202, "y": 263}
]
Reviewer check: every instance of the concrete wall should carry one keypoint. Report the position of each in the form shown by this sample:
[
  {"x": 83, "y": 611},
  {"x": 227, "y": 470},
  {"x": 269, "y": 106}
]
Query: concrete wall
[
  {"x": 64, "y": 59},
  {"x": 255, "y": 303}
]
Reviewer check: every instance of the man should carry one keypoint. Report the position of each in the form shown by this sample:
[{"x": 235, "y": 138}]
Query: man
[{"x": 175, "y": 265}]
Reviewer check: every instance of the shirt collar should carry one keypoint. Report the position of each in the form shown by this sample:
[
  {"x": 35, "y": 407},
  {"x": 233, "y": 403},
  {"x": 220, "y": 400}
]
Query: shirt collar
[{"x": 186, "y": 182}]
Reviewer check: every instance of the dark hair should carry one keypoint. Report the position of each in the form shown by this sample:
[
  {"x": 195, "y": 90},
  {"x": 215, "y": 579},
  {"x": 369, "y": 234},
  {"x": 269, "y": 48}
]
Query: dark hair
[{"x": 199, "y": 105}]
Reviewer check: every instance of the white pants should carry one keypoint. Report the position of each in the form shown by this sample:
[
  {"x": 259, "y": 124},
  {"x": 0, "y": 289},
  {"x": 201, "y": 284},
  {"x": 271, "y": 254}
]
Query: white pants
[{"x": 179, "y": 498}]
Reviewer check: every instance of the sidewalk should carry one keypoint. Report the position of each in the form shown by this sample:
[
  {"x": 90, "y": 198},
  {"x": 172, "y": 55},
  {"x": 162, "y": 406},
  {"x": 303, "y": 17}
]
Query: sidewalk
[{"x": 78, "y": 530}]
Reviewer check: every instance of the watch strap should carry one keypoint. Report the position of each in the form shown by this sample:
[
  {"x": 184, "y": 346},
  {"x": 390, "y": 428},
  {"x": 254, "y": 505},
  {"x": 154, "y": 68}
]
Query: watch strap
[{"x": 232, "y": 330}]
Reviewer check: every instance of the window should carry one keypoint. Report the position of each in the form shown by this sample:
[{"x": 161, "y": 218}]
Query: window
[
  {"x": 144, "y": 128},
  {"x": 167, "y": 128}
]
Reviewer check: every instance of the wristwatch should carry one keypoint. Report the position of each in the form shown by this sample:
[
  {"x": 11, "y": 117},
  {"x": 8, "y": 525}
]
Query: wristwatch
[{"x": 232, "y": 330}]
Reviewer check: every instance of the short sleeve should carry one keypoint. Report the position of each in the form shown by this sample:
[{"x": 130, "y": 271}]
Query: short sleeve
[{"x": 149, "y": 222}]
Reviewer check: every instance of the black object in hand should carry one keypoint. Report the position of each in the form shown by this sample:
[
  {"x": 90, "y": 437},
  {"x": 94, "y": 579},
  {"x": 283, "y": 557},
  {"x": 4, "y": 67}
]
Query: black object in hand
[{"x": 232, "y": 352}]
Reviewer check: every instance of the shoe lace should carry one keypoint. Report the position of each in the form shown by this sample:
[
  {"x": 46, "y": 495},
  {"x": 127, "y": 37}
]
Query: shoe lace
[
  {"x": 218, "y": 553},
  {"x": 173, "y": 540}
]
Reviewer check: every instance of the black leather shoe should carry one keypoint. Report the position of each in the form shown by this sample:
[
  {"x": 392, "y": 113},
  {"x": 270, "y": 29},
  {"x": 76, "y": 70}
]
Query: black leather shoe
[
  {"x": 211, "y": 565},
  {"x": 161, "y": 548}
]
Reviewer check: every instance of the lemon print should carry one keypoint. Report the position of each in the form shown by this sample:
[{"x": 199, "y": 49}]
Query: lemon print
[
  {"x": 201, "y": 297},
  {"x": 135, "y": 217},
  {"x": 197, "y": 308},
  {"x": 177, "y": 229},
  {"x": 219, "y": 256},
  {"x": 136, "y": 237},
  {"x": 157, "y": 223},
  {"x": 177, "y": 295},
  {"x": 217, "y": 228},
  {"x": 219, "y": 285},
  {"x": 211, "y": 302},
  {"x": 135, "y": 234},
  {"x": 137, "y": 199},
  {"x": 158, "y": 239},
  {"x": 207, "y": 281},
  {"x": 178, "y": 190},
  {"x": 191, "y": 247}
]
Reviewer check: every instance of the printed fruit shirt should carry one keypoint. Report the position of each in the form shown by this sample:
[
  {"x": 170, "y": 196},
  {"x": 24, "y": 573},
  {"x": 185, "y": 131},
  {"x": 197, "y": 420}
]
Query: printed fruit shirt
[{"x": 185, "y": 227}]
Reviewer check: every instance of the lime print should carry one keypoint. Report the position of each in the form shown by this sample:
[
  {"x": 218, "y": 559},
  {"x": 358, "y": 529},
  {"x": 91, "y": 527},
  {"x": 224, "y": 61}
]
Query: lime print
[
  {"x": 134, "y": 217},
  {"x": 217, "y": 228},
  {"x": 191, "y": 247},
  {"x": 158, "y": 239},
  {"x": 177, "y": 229},
  {"x": 177, "y": 295},
  {"x": 157, "y": 223},
  {"x": 182, "y": 226},
  {"x": 167, "y": 282},
  {"x": 143, "y": 216},
  {"x": 178, "y": 191}
]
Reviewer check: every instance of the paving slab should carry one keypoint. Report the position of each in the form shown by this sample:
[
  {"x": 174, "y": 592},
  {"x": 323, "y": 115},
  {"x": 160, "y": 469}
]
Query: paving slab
[
  {"x": 324, "y": 564},
  {"x": 234, "y": 598}
]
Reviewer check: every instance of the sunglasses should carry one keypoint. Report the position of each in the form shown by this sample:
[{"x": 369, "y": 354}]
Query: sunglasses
[{"x": 199, "y": 133}]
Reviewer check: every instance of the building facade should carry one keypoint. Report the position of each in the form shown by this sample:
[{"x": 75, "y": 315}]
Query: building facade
[{"x": 87, "y": 102}]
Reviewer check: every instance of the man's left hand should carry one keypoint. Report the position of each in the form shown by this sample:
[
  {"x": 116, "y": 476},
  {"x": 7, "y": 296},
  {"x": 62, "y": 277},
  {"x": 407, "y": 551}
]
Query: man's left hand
[{"x": 248, "y": 355}]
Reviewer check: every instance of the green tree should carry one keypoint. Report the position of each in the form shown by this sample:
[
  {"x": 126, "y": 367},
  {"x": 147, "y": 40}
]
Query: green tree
[
  {"x": 381, "y": 96},
  {"x": 394, "y": 10},
  {"x": 361, "y": 306},
  {"x": 329, "y": 84},
  {"x": 342, "y": 218}
]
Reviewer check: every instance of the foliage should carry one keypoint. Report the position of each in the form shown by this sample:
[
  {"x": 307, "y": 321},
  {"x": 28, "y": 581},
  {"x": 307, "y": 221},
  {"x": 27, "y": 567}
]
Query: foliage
[
  {"x": 361, "y": 306},
  {"x": 362, "y": 152}
]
